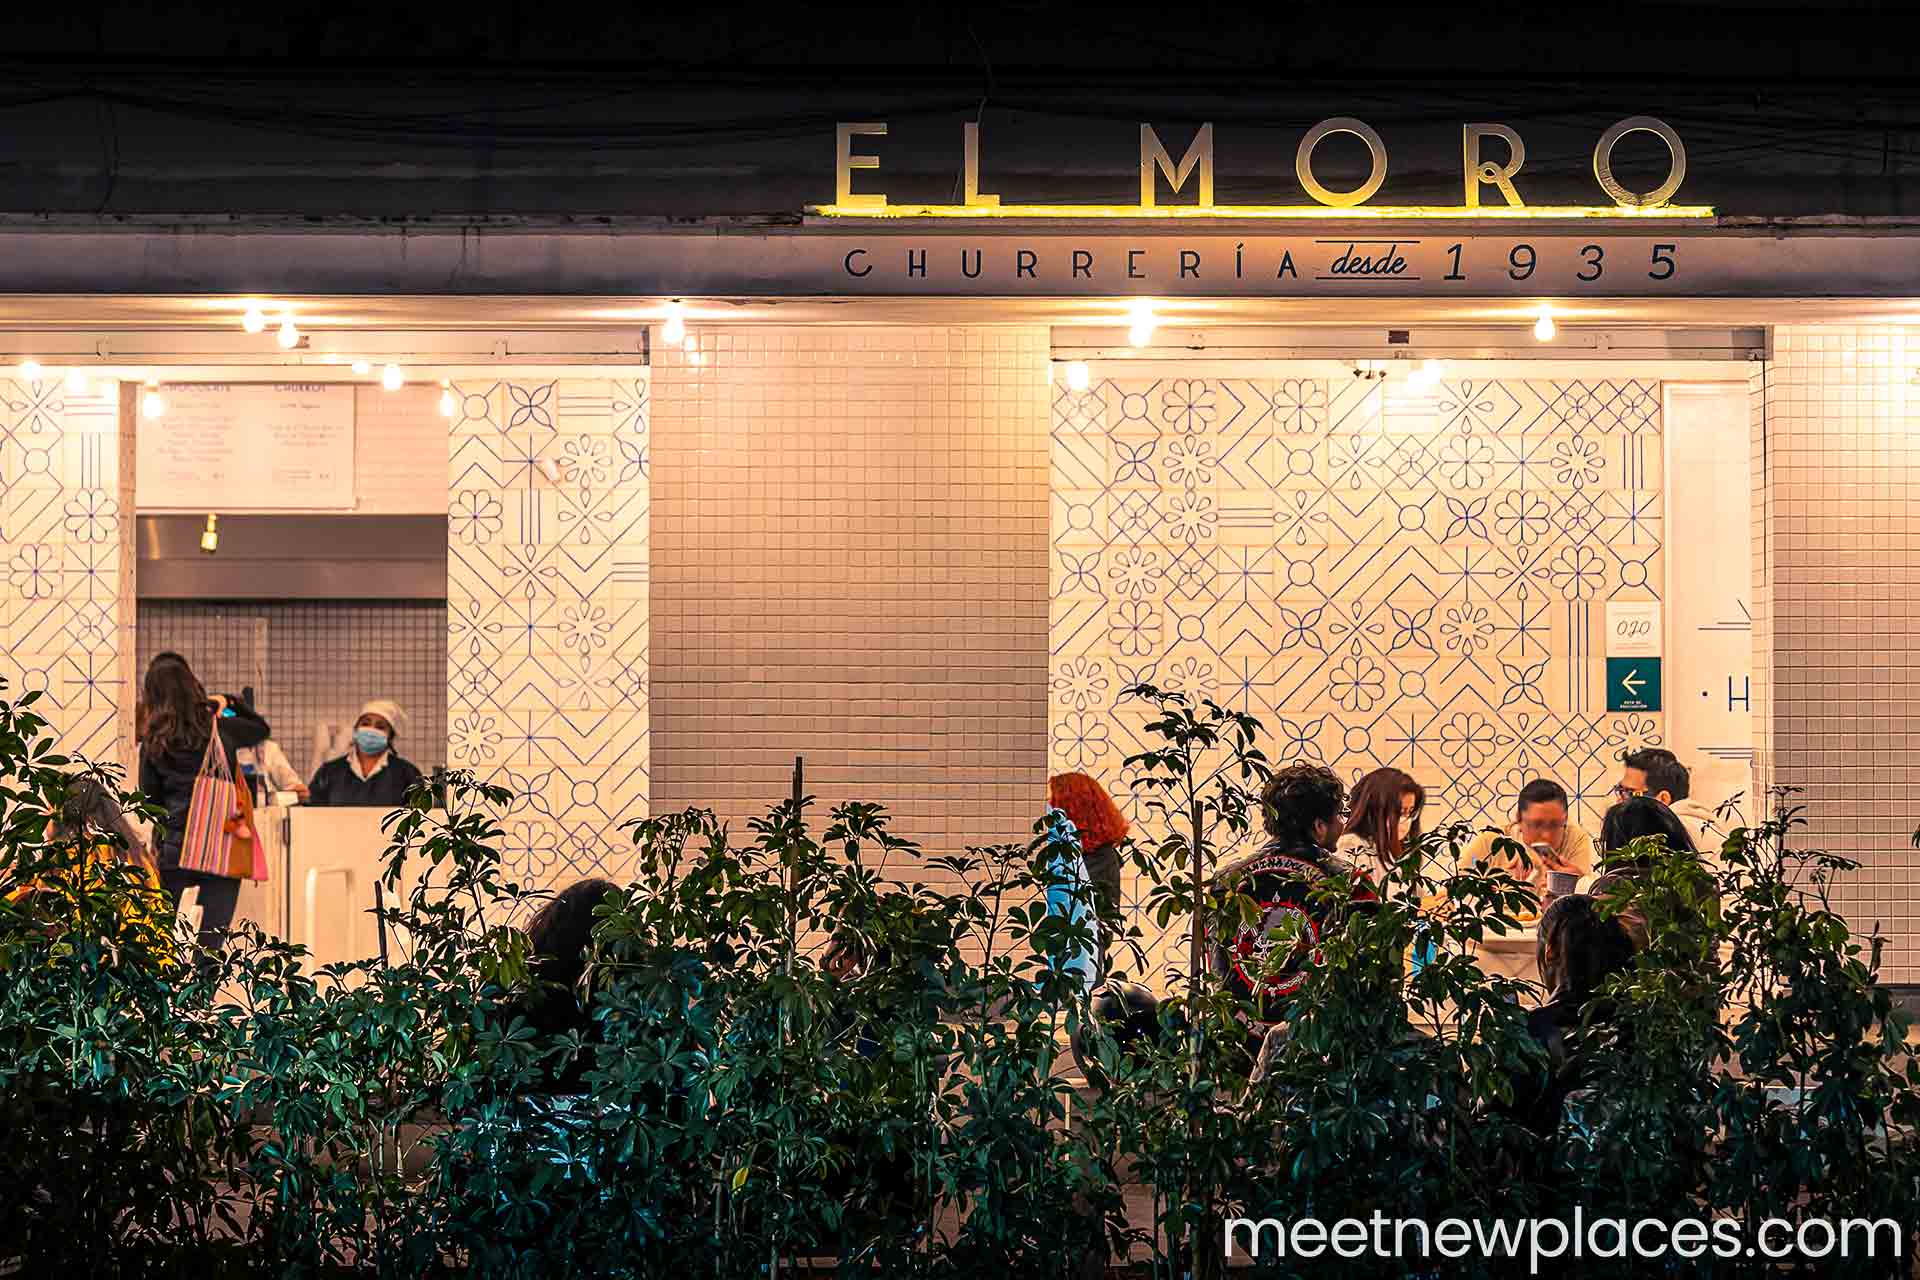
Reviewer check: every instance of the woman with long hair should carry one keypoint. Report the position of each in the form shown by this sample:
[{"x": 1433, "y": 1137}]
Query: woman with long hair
[
  {"x": 1383, "y": 820},
  {"x": 176, "y": 721}
]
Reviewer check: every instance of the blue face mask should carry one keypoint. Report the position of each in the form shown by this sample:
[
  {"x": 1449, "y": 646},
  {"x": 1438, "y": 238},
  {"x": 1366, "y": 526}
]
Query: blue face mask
[{"x": 370, "y": 741}]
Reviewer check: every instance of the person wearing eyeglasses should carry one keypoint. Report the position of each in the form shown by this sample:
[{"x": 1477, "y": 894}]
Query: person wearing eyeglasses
[{"x": 1657, "y": 772}]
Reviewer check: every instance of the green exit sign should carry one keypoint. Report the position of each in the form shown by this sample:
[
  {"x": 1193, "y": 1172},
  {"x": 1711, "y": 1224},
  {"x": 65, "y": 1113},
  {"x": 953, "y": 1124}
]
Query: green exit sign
[{"x": 1633, "y": 684}]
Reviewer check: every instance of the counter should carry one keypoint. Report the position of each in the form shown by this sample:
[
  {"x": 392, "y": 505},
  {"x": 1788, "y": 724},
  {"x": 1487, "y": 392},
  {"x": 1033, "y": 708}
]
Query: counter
[{"x": 322, "y": 866}]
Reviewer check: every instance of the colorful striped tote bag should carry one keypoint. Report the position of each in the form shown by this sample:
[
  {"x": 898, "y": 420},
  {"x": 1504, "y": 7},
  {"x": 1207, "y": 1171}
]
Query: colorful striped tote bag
[{"x": 208, "y": 844}]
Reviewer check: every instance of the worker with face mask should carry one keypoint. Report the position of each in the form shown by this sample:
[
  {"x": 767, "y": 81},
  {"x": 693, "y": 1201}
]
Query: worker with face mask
[{"x": 372, "y": 773}]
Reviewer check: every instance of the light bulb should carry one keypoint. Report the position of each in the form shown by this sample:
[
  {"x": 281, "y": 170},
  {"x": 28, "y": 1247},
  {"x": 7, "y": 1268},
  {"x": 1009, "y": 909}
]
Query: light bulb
[
  {"x": 152, "y": 405},
  {"x": 1140, "y": 334},
  {"x": 391, "y": 378},
  {"x": 362, "y": 368},
  {"x": 76, "y": 382},
  {"x": 210, "y": 540},
  {"x": 288, "y": 337},
  {"x": 254, "y": 321},
  {"x": 448, "y": 404},
  {"x": 30, "y": 370},
  {"x": 1141, "y": 309},
  {"x": 676, "y": 326},
  {"x": 1077, "y": 376},
  {"x": 1543, "y": 327}
]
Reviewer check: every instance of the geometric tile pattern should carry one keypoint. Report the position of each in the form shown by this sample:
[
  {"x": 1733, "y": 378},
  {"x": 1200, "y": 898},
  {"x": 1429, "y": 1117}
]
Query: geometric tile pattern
[
  {"x": 547, "y": 613},
  {"x": 66, "y": 583},
  {"x": 1379, "y": 575}
]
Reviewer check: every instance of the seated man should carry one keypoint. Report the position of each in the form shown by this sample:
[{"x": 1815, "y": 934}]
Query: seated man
[
  {"x": 1657, "y": 772},
  {"x": 1541, "y": 826},
  {"x": 370, "y": 774},
  {"x": 1301, "y": 805}
]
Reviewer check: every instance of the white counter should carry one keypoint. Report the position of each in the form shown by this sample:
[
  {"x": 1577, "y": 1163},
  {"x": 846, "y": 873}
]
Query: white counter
[{"x": 322, "y": 866}]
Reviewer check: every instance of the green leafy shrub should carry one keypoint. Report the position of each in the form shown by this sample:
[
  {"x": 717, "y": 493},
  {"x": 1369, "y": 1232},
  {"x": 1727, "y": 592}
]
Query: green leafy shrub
[{"x": 739, "y": 1103}]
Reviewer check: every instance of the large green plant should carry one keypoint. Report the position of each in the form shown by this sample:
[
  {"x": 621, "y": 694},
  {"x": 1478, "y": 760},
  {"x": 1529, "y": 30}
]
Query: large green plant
[{"x": 738, "y": 1106}]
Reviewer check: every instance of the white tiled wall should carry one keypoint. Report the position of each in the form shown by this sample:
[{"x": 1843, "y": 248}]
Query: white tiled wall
[
  {"x": 1838, "y": 515},
  {"x": 849, "y": 560},
  {"x": 66, "y": 543}
]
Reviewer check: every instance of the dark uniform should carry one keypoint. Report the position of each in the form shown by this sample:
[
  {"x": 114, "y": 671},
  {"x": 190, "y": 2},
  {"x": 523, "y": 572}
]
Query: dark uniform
[{"x": 337, "y": 784}]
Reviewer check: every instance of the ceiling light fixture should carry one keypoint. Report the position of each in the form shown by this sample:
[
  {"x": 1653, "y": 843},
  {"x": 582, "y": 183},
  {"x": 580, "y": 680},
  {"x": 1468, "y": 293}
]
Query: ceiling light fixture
[
  {"x": 1078, "y": 378},
  {"x": 288, "y": 337},
  {"x": 255, "y": 319},
  {"x": 675, "y": 327},
  {"x": 391, "y": 378},
  {"x": 1543, "y": 328}
]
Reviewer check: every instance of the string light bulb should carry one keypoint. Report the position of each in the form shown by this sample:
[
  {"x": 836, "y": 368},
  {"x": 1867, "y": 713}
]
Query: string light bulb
[
  {"x": 391, "y": 378},
  {"x": 676, "y": 326},
  {"x": 289, "y": 336},
  {"x": 76, "y": 382},
  {"x": 1543, "y": 328},
  {"x": 30, "y": 370},
  {"x": 255, "y": 319},
  {"x": 1078, "y": 379},
  {"x": 362, "y": 367},
  {"x": 1140, "y": 333},
  {"x": 152, "y": 404},
  {"x": 447, "y": 403}
]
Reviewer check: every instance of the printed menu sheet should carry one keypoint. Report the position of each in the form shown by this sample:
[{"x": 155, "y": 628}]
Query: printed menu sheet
[{"x": 247, "y": 447}]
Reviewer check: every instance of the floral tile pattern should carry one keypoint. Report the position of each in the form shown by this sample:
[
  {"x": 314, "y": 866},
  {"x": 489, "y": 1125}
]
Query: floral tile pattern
[
  {"x": 1382, "y": 577},
  {"x": 547, "y": 613},
  {"x": 66, "y": 557}
]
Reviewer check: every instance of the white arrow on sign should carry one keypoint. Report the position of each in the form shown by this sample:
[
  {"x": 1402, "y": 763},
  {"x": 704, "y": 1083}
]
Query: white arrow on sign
[{"x": 1631, "y": 682}]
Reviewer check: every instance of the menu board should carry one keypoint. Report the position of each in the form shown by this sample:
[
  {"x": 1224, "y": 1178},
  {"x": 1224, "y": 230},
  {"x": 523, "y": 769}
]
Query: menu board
[{"x": 247, "y": 446}]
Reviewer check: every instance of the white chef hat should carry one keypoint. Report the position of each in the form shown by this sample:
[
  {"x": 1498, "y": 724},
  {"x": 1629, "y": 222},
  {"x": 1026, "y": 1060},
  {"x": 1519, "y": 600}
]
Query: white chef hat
[{"x": 387, "y": 710}]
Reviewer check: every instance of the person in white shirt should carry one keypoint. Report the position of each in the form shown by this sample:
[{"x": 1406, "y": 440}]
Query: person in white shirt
[
  {"x": 1657, "y": 772},
  {"x": 270, "y": 762}
]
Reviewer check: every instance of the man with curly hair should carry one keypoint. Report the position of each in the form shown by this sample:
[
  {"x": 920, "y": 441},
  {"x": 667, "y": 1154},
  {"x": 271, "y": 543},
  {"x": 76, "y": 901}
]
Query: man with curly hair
[{"x": 1301, "y": 806}]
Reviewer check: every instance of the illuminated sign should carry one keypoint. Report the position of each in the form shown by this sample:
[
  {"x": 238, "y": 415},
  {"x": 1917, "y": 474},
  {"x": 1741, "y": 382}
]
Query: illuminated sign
[{"x": 1195, "y": 166}]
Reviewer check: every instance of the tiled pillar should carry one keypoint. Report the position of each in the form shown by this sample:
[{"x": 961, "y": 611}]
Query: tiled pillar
[
  {"x": 66, "y": 600},
  {"x": 850, "y": 546},
  {"x": 1837, "y": 516},
  {"x": 547, "y": 613}
]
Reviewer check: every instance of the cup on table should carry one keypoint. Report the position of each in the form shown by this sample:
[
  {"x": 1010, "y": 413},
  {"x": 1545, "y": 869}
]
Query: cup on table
[{"x": 1561, "y": 883}]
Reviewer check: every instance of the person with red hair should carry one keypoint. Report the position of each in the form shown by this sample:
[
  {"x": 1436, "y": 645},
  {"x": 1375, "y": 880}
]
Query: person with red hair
[{"x": 1102, "y": 827}]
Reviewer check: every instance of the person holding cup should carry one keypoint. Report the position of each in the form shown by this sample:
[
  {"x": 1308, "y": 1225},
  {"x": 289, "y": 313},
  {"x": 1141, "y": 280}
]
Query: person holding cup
[{"x": 1559, "y": 851}]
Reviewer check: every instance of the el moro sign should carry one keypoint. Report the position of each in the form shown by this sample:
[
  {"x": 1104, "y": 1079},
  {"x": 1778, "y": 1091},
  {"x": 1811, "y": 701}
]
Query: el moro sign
[{"x": 1492, "y": 158}]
